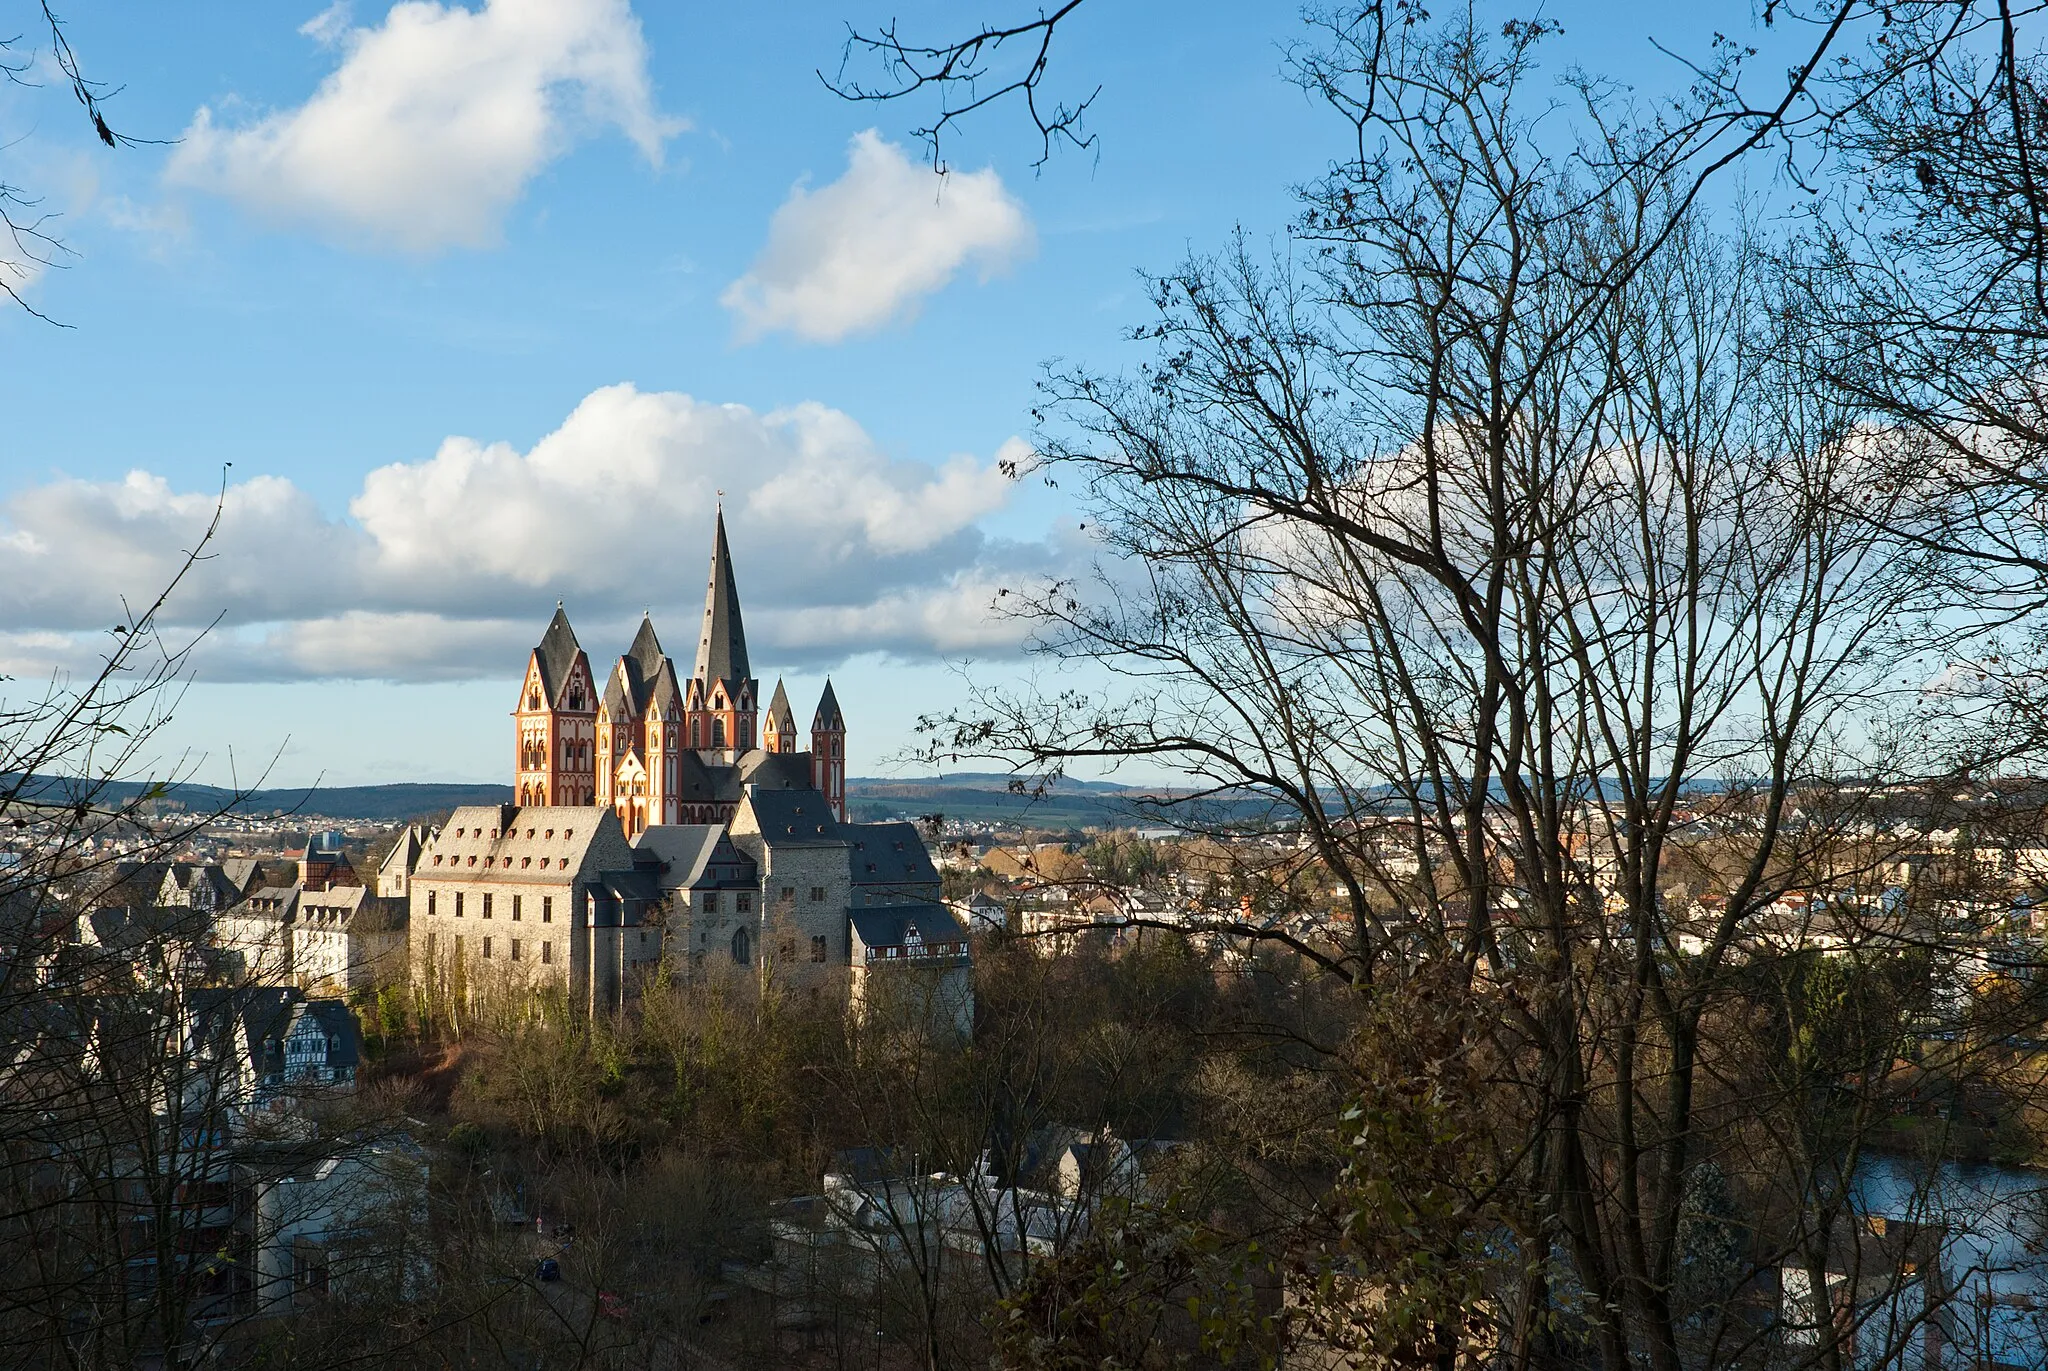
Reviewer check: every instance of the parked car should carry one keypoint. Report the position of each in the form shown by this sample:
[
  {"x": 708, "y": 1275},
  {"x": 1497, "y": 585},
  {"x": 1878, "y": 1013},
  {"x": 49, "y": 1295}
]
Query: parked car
[
  {"x": 550, "y": 1269},
  {"x": 610, "y": 1305}
]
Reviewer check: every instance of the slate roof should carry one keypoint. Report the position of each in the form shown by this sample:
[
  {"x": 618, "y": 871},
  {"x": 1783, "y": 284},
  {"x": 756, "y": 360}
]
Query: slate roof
[
  {"x": 337, "y": 1023},
  {"x": 794, "y": 816},
  {"x": 828, "y": 719},
  {"x": 557, "y": 654},
  {"x": 620, "y": 898},
  {"x": 695, "y": 855},
  {"x": 354, "y": 907},
  {"x": 780, "y": 717},
  {"x": 722, "y": 646},
  {"x": 889, "y": 854},
  {"x": 772, "y": 771},
  {"x": 506, "y": 842},
  {"x": 888, "y": 925},
  {"x": 243, "y": 873},
  {"x": 276, "y": 902}
]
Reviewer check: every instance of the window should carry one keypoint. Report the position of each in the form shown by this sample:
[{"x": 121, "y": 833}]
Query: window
[
  {"x": 789, "y": 892},
  {"x": 742, "y": 948},
  {"x": 487, "y": 949},
  {"x": 430, "y": 902},
  {"x": 711, "y": 902},
  {"x": 818, "y": 947},
  {"x": 487, "y": 906},
  {"x": 547, "y": 908},
  {"x": 789, "y": 949},
  {"x": 458, "y": 904},
  {"x": 746, "y": 903},
  {"x": 430, "y": 947},
  {"x": 515, "y": 949},
  {"x": 817, "y": 895},
  {"x": 515, "y": 909},
  {"x": 718, "y": 733},
  {"x": 547, "y": 953},
  {"x": 458, "y": 947}
]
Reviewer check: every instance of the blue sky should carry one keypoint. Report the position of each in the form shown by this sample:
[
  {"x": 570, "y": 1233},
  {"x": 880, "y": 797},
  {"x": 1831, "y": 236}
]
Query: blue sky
[{"x": 477, "y": 350}]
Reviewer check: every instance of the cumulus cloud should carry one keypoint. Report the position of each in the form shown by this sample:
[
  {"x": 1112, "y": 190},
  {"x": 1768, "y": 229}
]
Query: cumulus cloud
[
  {"x": 447, "y": 567},
  {"x": 435, "y": 121},
  {"x": 852, "y": 256}
]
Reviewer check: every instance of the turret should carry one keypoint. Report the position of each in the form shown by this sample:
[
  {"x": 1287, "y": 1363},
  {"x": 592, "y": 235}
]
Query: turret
[
  {"x": 828, "y": 751},
  {"x": 778, "y": 730},
  {"x": 554, "y": 723}
]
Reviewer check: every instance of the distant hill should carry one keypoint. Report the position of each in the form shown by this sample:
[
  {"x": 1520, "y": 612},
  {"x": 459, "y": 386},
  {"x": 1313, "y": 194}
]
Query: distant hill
[
  {"x": 389, "y": 803},
  {"x": 972, "y": 797},
  {"x": 985, "y": 797}
]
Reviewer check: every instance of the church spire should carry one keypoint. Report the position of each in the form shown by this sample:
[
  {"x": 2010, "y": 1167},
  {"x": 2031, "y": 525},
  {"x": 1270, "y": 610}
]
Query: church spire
[{"x": 722, "y": 647}]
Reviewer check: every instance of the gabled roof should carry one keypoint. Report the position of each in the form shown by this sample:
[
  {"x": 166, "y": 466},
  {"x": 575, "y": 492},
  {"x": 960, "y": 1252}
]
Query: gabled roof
[
  {"x": 722, "y": 645},
  {"x": 695, "y": 854},
  {"x": 242, "y": 872},
  {"x": 780, "y": 717},
  {"x": 557, "y": 656},
  {"x": 828, "y": 719}
]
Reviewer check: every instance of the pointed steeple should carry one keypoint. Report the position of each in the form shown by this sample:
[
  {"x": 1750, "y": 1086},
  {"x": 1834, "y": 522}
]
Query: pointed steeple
[
  {"x": 722, "y": 647},
  {"x": 779, "y": 712},
  {"x": 828, "y": 718},
  {"x": 642, "y": 662},
  {"x": 778, "y": 731},
  {"x": 557, "y": 654}
]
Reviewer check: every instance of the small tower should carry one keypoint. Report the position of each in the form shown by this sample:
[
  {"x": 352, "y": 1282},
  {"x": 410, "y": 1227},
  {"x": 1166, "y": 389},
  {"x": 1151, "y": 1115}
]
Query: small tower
[
  {"x": 555, "y": 722},
  {"x": 778, "y": 731},
  {"x": 828, "y": 751},
  {"x": 722, "y": 696}
]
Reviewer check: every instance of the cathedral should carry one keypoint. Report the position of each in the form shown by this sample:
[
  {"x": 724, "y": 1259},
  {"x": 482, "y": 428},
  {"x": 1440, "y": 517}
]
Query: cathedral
[{"x": 657, "y": 748}]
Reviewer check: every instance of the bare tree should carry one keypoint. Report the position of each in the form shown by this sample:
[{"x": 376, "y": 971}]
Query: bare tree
[
  {"x": 1495, "y": 527},
  {"x": 28, "y": 240}
]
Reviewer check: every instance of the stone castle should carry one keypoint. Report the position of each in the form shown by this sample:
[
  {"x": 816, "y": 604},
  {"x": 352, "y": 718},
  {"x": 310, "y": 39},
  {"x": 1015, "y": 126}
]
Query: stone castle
[{"x": 650, "y": 836}]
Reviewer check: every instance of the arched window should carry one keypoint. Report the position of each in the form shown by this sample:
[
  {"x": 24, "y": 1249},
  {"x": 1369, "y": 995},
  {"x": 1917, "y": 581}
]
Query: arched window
[
  {"x": 742, "y": 948},
  {"x": 718, "y": 733},
  {"x": 696, "y": 733},
  {"x": 533, "y": 699}
]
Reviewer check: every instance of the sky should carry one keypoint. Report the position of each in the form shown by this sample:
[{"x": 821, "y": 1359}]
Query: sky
[{"x": 471, "y": 308}]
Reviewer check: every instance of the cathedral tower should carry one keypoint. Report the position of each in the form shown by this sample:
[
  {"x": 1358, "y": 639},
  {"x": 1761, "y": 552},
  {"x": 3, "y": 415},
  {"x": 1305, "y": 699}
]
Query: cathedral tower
[
  {"x": 828, "y": 751},
  {"x": 722, "y": 698},
  {"x": 554, "y": 725},
  {"x": 639, "y": 730},
  {"x": 778, "y": 730}
]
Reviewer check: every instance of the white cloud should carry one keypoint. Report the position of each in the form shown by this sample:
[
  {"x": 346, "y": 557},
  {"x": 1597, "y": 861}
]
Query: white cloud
[
  {"x": 852, "y": 256},
  {"x": 447, "y": 567},
  {"x": 435, "y": 121}
]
